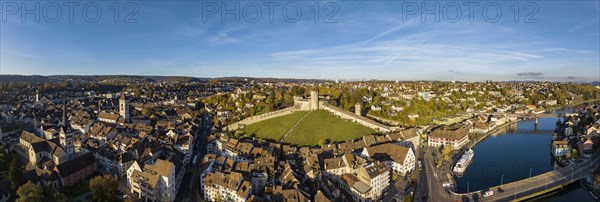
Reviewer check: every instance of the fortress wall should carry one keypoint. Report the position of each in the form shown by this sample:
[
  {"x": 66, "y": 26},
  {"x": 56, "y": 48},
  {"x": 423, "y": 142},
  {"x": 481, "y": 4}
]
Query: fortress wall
[
  {"x": 384, "y": 120},
  {"x": 314, "y": 104},
  {"x": 262, "y": 117},
  {"x": 355, "y": 118}
]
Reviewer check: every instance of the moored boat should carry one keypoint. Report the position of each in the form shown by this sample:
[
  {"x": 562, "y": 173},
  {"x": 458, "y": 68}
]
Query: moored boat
[{"x": 461, "y": 166}]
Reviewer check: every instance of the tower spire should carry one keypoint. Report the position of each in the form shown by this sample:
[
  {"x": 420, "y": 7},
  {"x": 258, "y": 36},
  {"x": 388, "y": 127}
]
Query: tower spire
[{"x": 64, "y": 115}]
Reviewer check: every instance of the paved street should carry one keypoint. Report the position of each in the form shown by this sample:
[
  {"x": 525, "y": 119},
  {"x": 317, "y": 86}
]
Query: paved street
[
  {"x": 396, "y": 190},
  {"x": 422, "y": 191},
  {"x": 189, "y": 187}
]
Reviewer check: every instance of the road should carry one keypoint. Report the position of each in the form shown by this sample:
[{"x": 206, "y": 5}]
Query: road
[
  {"x": 396, "y": 190},
  {"x": 422, "y": 190},
  {"x": 189, "y": 189},
  {"x": 544, "y": 181},
  {"x": 433, "y": 179}
]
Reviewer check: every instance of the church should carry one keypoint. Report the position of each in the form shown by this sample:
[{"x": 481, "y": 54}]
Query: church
[
  {"x": 53, "y": 161},
  {"x": 49, "y": 152}
]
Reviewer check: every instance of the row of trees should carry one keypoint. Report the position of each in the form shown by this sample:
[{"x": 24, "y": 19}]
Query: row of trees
[
  {"x": 104, "y": 189},
  {"x": 30, "y": 192}
]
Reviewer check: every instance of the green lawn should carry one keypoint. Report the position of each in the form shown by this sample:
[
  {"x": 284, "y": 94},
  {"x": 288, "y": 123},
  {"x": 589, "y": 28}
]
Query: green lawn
[
  {"x": 273, "y": 129},
  {"x": 318, "y": 125}
]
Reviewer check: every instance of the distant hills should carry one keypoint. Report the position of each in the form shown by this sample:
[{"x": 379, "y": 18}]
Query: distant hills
[
  {"x": 17, "y": 78},
  {"x": 137, "y": 78},
  {"x": 98, "y": 78}
]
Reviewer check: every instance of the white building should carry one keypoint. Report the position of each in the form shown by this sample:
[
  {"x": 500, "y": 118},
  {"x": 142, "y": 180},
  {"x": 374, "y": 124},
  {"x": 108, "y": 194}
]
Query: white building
[
  {"x": 560, "y": 148},
  {"x": 368, "y": 183},
  {"x": 153, "y": 182},
  {"x": 456, "y": 137},
  {"x": 225, "y": 187},
  {"x": 400, "y": 159}
]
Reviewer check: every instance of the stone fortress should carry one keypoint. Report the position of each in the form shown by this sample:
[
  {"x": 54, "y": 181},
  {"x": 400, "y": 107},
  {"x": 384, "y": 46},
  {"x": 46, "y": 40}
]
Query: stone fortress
[{"x": 313, "y": 103}]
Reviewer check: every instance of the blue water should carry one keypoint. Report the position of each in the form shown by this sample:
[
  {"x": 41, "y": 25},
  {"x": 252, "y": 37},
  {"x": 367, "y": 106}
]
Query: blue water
[
  {"x": 511, "y": 155},
  {"x": 572, "y": 193}
]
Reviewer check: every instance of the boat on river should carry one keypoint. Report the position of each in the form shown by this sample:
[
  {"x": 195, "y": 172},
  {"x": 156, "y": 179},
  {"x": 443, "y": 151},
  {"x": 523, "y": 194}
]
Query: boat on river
[{"x": 463, "y": 163}]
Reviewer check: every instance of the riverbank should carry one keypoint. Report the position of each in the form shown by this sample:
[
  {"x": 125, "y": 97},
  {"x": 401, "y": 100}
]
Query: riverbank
[
  {"x": 508, "y": 153},
  {"x": 457, "y": 155},
  {"x": 496, "y": 130}
]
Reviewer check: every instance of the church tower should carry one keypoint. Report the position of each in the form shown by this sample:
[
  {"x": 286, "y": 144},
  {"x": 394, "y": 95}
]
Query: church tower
[
  {"x": 37, "y": 96},
  {"x": 66, "y": 134},
  {"x": 124, "y": 108}
]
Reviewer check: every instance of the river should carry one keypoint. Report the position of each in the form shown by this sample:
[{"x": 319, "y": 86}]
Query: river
[{"x": 516, "y": 153}]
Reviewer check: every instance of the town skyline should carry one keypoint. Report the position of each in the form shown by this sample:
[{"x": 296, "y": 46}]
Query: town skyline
[{"x": 308, "y": 78}]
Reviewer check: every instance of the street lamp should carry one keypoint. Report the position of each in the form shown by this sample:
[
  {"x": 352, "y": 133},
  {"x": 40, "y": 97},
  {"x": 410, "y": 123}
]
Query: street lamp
[
  {"x": 516, "y": 191},
  {"x": 547, "y": 181},
  {"x": 572, "y": 173},
  {"x": 468, "y": 183},
  {"x": 501, "y": 180},
  {"x": 530, "y": 169}
]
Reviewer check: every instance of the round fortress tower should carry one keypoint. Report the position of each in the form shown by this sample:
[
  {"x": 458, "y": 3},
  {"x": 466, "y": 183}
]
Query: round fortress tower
[{"x": 314, "y": 100}]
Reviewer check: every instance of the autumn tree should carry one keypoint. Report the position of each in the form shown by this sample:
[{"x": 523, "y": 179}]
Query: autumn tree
[
  {"x": 446, "y": 151},
  {"x": 30, "y": 192},
  {"x": 104, "y": 188},
  {"x": 15, "y": 174},
  {"x": 60, "y": 197}
]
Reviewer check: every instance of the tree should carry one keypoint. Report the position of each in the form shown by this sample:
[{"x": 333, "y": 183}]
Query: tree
[
  {"x": 446, "y": 151},
  {"x": 597, "y": 179},
  {"x": 30, "y": 192},
  {"x": 60, "y": 197},
  {"x": 574, "y": 153},
  {"x": 131, "y": 199},
  {"x": 104, "y": 188},
  {"x": 15, "y": 174},
  {"x": 3, "y": 160},
  {"x": 321, "y": 142},
  {"x": 407, "y": 198}
]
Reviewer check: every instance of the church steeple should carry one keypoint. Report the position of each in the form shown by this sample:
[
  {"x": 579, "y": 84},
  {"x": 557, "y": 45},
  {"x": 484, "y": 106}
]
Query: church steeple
[
  {"x": 66, "y": 134},
  {"x": 124, "y": 108},
  {"x": 64, "y": 115}
]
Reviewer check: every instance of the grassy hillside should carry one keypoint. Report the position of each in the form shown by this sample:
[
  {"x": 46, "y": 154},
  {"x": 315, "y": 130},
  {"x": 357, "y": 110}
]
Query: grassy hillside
[
  {"x": 318, "y": 125},
  {"x": 273, "y": 129}
]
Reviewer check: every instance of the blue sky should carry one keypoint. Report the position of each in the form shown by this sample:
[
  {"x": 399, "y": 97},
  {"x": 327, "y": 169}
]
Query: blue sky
[{"x": 362, "y": 40}]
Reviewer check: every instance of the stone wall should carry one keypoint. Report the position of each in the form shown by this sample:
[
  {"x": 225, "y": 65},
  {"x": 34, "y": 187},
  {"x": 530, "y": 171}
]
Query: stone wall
[
  {"x": 341, "y": 113},
  {"x": 384, "y": 120},
  {"x": 309, "y": 104},
  {"x": 262, "y": 117}
]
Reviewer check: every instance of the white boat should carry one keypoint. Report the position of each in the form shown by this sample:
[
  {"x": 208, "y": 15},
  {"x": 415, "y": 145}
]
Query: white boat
[{"x": 463, "y": 162}]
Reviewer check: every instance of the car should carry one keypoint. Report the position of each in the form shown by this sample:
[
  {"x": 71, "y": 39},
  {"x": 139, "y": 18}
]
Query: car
[
  {"x": 476, "y": 197},
  {"x": 447, "y": 185}
]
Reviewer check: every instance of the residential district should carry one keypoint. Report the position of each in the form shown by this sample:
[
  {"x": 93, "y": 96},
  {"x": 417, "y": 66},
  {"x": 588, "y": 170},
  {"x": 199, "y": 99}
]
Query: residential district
[{"x": 172, "y": 139}]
